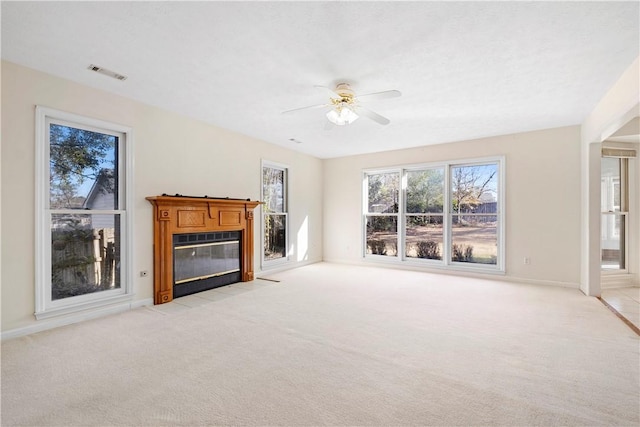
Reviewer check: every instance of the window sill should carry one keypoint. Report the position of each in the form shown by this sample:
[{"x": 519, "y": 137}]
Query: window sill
[
  {"x": 82, "y": 306},
  {"x": 276, "y": 263},
  {"x": 430, "y": 266}
]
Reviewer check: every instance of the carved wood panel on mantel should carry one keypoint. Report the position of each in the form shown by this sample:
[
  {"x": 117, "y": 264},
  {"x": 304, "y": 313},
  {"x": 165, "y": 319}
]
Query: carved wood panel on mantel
[{"x": 178, "y": 215}]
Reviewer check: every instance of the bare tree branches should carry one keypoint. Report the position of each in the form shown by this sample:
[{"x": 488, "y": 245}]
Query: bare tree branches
[{"x": 469, "y": 184}]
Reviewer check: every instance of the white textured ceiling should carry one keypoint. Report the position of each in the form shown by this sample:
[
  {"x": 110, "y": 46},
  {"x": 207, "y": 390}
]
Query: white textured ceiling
[{"x": 465, "y": 69}]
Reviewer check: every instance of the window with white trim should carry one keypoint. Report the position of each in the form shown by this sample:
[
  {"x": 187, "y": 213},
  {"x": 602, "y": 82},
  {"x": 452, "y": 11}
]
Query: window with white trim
[
  {"x": 615, "y": 213},
  {"x": 443, "y": 215},
  {"x": 274, "y": 214},
  {"x": 381, "y": 217},
  {"x": 83, "y": 256},
  {"x": 424, "y": 213}
]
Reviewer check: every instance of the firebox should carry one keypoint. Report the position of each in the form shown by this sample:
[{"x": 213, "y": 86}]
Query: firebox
[{"x": 203, "y": 261}]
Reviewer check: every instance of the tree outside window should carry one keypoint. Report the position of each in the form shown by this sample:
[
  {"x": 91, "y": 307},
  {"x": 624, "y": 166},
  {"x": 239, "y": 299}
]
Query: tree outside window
[
  {"x": 382, "y": 219},
  {"x": 85, "y": 247},
  {"x": 474, "y": 216}
]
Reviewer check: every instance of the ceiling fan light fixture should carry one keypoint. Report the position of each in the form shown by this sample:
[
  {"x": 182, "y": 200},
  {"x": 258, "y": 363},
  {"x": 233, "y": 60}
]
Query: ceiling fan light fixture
[
  {"x": 344, "y": 103},
  {"x": 342, "y": 115}
]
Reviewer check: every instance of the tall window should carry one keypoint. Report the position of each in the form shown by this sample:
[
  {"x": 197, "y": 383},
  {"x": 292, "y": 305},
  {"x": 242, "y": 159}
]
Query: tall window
[
  {"x": 442, "y": 215},
  {"x": 424, "y": 218},
  {"x": 614, "y": 204},
  {"x": 274, "y": 217},
  {"x": 381, "y": 217},
  {"x": 82, "y": 241},
  {"x": 474, "y": 213}
]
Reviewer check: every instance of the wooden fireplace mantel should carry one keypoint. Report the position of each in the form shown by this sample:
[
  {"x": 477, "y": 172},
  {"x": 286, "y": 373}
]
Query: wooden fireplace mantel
[{"x": 178, "y": 215}]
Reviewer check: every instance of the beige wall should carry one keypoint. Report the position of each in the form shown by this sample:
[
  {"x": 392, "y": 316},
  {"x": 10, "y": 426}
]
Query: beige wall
[
  {"x": 173, "y": 154},
  {"x": 618, "y": 106},
  {"x": 542, "y": 199}
]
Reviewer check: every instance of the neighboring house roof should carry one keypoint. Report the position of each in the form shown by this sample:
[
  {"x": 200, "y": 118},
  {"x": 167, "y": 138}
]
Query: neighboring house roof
[{"x": 103, "y": 185}]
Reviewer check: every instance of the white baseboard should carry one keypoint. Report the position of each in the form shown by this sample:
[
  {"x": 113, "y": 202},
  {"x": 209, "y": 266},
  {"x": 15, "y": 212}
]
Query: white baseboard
[
  {"x": 541, "y": 282},
  {"x": 477, "y": 275},
  {"x": 44, "y": 325},
  {"x": 266, "y": 271},
  {"x": 611, "y": 281}
]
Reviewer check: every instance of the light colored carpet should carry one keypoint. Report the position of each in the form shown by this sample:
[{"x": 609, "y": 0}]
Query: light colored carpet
[{"x": 335, "y": 345}]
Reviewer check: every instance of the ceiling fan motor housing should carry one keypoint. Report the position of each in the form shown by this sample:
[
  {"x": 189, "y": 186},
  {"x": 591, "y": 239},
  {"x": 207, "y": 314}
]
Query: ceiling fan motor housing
[{"x": 345, "y": 91}]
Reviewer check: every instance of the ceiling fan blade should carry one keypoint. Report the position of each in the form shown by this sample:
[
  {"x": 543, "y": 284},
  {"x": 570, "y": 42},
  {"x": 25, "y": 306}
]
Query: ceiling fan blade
[
  {"x": 305, "y": 108},
  {"x": 330, "y": 92},
  {"x": 380, "y": 95},
  {"x": 373, "y": 116}
]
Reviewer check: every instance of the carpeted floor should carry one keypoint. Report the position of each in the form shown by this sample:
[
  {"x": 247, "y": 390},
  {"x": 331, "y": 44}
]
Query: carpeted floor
[{"x": 335, "y": 345}]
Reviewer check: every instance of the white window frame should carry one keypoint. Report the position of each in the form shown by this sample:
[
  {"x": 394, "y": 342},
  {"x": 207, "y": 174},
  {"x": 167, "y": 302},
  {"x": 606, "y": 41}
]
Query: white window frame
[
  {"x": 446, "y": 246},
  {"x": 265, "y": 263},
  {"x": 446, "y": 262},
  {"x": 45, "y": 307},
  {"x": 365, "y": 214},
  {"x": 622, "y": 213}
]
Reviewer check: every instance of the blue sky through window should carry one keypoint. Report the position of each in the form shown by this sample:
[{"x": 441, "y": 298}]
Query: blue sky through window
[{"x": 77, "y": 157}]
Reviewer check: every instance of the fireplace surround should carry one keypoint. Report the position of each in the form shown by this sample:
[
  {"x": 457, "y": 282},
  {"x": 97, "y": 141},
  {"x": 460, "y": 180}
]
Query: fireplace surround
[{"x": 217, "y": 227}]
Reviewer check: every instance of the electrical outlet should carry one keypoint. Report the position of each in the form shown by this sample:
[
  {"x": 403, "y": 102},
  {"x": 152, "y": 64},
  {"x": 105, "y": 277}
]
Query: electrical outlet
[
  {"x": 144, "y": 273},
  {"x": 527, "y": 260}
]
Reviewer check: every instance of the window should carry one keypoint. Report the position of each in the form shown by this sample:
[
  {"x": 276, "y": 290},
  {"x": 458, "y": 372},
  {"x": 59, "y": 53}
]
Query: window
[
  {"x": 83, "y": 254},
  {"x": 440, "y": 214},
  {"x": 381, "y": 218},
  {"x": 614, "y": 205},
  {"x": 424, "y": 218},
  {"x": 274, "y": 213},
  {"x": 474, "y": 213}
]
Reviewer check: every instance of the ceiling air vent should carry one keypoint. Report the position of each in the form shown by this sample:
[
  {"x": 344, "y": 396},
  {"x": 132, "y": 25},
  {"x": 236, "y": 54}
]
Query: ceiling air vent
[{"x": 106, "y": 72}]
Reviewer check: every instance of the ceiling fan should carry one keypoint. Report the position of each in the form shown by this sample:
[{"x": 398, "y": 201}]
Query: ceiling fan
[{"x": 345, "y": 105}]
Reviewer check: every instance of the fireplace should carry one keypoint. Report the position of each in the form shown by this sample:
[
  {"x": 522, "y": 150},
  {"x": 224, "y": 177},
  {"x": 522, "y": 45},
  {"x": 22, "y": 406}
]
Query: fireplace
[{"x": 200, "y": 243}]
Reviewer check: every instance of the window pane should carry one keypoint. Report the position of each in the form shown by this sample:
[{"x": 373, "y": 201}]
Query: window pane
[
  {"x": 273, "y": 189},
  {"x": 382, "y": 235},
  {"x": 83, "y": 169},
  {"x": 424, "y": 236},
  {"x": 425, "y": 191},
  {"x": 613, "y": 242},
  {"x": 275, "y": 241},
  {"x": 85, "y": 254},
  {"x": 610, "y": 185},
  {"x": 474, "y": 239},
  {"x": 474, "y": 189},
  {"x": 383, "y": 192}
]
